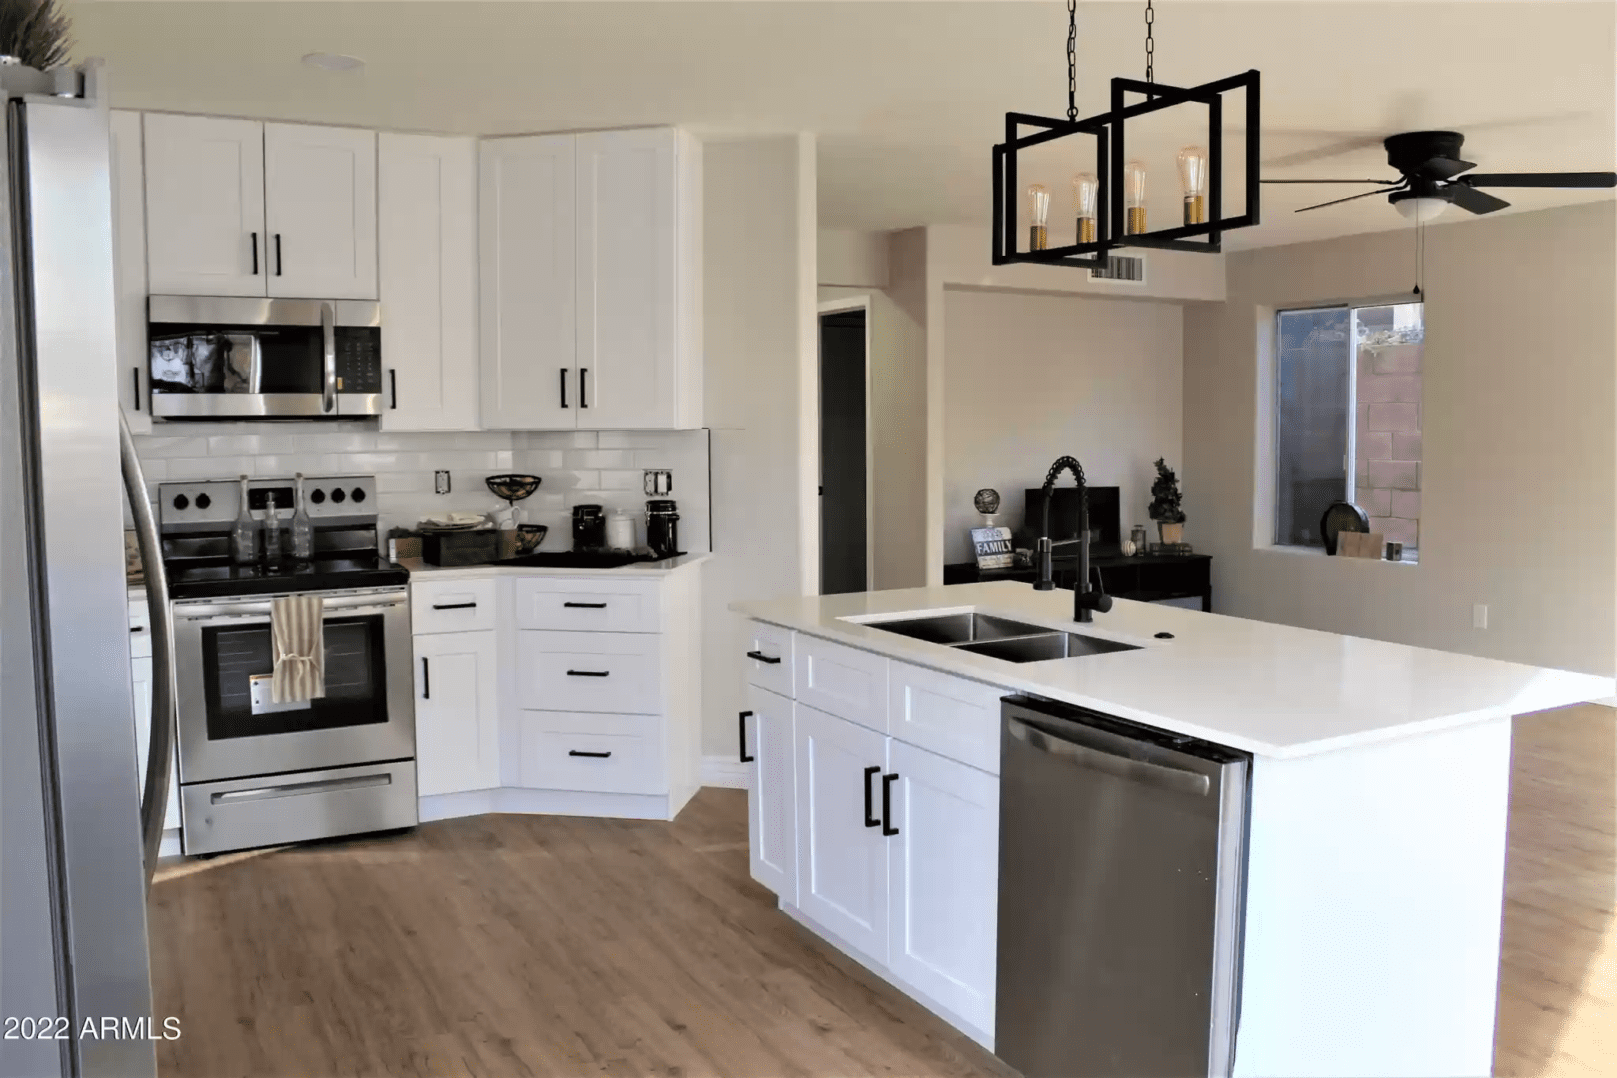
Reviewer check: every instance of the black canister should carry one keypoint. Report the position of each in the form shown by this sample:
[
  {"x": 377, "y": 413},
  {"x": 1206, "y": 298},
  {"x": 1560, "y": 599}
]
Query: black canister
[
  {"x": 589, "y": 527},
  {"x": 662, "y": 528}
]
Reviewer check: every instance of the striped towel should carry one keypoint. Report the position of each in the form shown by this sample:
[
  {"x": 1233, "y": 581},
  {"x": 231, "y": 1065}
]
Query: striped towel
[{"x": 297, "y": 633}]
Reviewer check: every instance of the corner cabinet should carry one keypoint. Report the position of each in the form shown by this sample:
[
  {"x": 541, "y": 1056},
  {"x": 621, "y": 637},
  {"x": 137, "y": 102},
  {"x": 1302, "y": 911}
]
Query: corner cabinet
[{"x": 591, "y": 271}]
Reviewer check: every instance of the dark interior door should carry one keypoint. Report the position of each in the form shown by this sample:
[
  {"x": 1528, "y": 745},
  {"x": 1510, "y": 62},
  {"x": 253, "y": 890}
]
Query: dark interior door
[{"x": 842, "y": 453}]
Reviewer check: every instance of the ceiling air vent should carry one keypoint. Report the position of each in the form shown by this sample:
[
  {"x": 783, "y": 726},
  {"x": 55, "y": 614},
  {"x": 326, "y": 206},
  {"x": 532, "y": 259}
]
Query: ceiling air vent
[{"x": 1128, "y": 269}]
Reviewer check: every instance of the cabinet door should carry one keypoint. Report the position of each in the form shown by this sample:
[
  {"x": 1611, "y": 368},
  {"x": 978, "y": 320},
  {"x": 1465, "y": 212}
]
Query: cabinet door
[
  {"x": 456, "y": 717},
  {"x": 526, "y": 245},
  {"x": 427, "y": 252},
  {"x": 943, "y": 875},
  {"x": 841, "y": 855},
  {"x": 204, "y": 206},
  {"x": 628, "y": 280},
  {"x": 141, "y": 678},
  {"x": 129, "y": 267},
  {"x": 320, "y": 211},
  {"x": 772, "y": 794}
]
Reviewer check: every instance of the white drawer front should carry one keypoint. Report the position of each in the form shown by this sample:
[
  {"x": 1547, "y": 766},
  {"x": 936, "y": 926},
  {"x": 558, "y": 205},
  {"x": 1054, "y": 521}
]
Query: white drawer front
[
  {"x": 590, "y": 604},
  {"x": 841, "y": 680},
  {"x": 951, "y": 716},
  {"x": 451, "y": 606},
  {"x": 772, "y": 643},
  {"x": 617, "y": 672},
  {"x": 140, "y": 629},
  {"x": 622, "y": 755}
]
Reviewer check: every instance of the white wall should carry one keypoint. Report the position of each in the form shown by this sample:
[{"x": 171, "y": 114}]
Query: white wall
[
  {"x": 1029, "y": 378},
  {"x": 963, "y": 255},
  {"x": 759, "y": 317},
  {"x": 851, "y": 258},
  {"x": 1519, "y": 455}
]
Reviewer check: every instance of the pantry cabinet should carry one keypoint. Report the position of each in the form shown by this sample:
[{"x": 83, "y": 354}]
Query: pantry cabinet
[
  {"x": 129, "y": 267},
  {"x": 456, "y": 713},
  {"x": 427, "y": 256}
]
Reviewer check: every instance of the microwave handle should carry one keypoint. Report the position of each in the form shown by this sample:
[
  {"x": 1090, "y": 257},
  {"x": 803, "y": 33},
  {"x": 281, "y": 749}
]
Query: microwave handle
[{"x": 328, "y": 345}]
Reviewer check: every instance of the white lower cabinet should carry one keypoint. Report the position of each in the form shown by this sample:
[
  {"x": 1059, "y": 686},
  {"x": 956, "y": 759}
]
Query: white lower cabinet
[
  {"x": 140, "y": 676},
  {"x": 767, "y": 735},
  {"x": 456, "y": 715}
]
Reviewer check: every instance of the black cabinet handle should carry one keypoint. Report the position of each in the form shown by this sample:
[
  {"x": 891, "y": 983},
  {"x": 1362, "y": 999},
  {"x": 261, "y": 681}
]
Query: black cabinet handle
[
  {"x": 588, "y": 673},
  {"x": 887, "y": 827},
  {"x": 586, "y": 606},
  {"x": 453, "y": 606},
  {"x": 581, "y": 752},
  {"x": 564, "y": 387},
  {"x": 870, "y": 819},
  {"x": 745, "y": 758},
  {"x": 142, "y": 628},
  {"x": 136, "y": 373},
  {"x": 255, "y": 254},
  {"x": 393, "y": 380},
  {"x": 583, "y": 388},
  {"x": 426, "y": 679},
  {"x": 772, "y": 660},
  {"x": 277, "y": 254}
]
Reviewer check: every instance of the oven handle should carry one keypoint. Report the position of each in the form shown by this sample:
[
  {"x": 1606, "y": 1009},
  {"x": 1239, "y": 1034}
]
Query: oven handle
[
  {"x": 160, "y": 743},
  {"x": 294, "y": 789},
  {"x": 347, "y": 604},
  {"x": 328, "y": 343}
]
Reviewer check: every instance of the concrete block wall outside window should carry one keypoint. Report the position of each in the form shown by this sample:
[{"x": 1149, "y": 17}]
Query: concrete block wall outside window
[{"x": 1388, "y": 440}]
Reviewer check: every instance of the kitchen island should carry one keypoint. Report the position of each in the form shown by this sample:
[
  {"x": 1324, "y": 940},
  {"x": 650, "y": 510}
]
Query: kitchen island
[{"x": 1378, "y": 794}]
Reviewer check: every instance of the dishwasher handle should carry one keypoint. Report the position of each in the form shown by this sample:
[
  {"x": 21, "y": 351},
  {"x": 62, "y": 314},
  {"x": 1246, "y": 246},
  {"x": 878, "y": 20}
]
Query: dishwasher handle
[{"x": 1092, "y": 759}]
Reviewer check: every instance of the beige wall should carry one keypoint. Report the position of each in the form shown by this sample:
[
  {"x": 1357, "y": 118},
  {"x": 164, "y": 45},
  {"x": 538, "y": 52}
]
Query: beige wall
[
  {"x": 963, "y": 255},
  {"x": 1029, "y": 378},
  {"x": 1519, "y": 454},
  {"x": 758, "y": 311},
  {"x": 852, "y": 259}
]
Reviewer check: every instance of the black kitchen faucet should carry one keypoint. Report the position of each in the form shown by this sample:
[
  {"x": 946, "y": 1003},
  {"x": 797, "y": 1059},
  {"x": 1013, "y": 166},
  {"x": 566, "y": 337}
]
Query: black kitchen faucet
[{"x": 1084, "y": 601}]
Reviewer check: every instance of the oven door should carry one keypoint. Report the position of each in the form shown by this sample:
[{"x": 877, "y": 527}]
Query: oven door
[{"x": 230, "y": 728}]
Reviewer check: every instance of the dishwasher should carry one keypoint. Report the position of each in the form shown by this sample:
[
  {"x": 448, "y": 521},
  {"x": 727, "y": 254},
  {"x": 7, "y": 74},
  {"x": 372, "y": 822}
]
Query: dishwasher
[{"x": 1122, "y": 872}]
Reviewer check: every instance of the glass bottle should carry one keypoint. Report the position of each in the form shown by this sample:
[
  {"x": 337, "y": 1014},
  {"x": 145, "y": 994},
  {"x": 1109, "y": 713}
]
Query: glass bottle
[
  {"x": 272, "y": 530},
  {"x": 302, "y": 527},
  {"x": 244, "y": 533}
]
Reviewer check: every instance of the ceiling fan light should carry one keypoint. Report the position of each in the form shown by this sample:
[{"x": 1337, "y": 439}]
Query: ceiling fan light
[{"x": 1421, "y": 209}]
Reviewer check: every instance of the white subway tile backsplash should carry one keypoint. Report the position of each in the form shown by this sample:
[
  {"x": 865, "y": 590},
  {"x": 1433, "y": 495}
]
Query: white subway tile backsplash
[
  {"x": 283, "y": 464},
  {"x": 573, "y": 480},
  {"x": 599, "y": 458},
  {"x": 562, "y": 439},
  {"x": 210, "y": 467},
  {"x": 612, "y": 479}
]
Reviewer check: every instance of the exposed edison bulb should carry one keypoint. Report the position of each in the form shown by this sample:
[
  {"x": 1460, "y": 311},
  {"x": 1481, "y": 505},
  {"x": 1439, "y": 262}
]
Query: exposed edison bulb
[
  {"x": 1038, "y": 197},
  {"x": 1193, "y": 182},
  {"x": 1134, "y": 196},
  {"x": 1085, "y": 191}
]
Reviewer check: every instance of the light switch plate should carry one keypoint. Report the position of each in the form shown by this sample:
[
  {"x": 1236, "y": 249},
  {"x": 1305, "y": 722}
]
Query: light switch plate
[
  {"x": 440, "y": 482},
  {"x": 1479, "y": 616}
]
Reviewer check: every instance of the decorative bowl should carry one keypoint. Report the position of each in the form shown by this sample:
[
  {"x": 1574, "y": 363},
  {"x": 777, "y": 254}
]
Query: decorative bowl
[{"x": 513, "y": 488}]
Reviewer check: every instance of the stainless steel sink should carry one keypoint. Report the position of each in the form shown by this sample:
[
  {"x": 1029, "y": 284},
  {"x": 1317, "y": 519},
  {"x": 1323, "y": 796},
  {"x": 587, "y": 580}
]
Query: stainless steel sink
[
  {"x": 1045, "y": 646},
  {"x": 957, "y": 628}
]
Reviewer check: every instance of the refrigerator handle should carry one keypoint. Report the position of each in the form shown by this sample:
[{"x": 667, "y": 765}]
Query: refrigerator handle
[
  {"x": 328, "y": 346},
  {"x": 160, "y": 745},
  {"x": 1123, "y": 767}
]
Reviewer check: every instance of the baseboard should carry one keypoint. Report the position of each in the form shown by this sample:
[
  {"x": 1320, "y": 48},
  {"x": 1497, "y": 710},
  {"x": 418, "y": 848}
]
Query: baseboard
[
  {"x": 170, "y": 846},
  {"x": 726, "y": 771},
  {"x": 544, "y": 803}
]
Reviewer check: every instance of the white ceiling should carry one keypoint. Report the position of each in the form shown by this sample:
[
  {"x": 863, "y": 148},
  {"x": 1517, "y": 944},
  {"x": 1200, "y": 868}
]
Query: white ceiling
[{"x": 907, "y": 97}]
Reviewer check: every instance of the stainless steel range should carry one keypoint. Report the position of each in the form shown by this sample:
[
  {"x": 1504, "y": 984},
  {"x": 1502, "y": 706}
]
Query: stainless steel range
[{"x": 254, "y": 772}]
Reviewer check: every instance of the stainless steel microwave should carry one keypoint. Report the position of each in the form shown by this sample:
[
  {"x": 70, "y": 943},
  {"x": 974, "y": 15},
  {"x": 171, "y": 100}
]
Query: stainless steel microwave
[{"x": 231, "y": 357}]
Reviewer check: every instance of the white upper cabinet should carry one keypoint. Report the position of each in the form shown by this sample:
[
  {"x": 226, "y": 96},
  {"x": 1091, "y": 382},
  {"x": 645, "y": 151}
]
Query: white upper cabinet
[
  {"x": 427, "y": 249},
  {"x": 320, "y": 211},
  {"x": 129, "y": 268},
  {"x": 591, "y": 281},
  {"x": 205, "y": 206},
  {"x": 526, "y": 253}
]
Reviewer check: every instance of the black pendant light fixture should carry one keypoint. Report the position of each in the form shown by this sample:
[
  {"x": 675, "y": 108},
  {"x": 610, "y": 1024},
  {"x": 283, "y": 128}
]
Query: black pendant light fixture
[{"x": 1109, "y": 202}]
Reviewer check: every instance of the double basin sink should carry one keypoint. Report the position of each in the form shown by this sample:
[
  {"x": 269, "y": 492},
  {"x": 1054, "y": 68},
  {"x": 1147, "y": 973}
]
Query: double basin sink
[{"x": 999, "y": 638}]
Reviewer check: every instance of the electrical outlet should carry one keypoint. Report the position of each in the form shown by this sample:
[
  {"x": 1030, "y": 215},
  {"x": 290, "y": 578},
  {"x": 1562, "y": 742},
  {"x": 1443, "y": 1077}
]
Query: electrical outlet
[
  {"x": 1479, "y": 615},
  {"x": 659, "y": 481},
  {"x": 440, "y": 482}
]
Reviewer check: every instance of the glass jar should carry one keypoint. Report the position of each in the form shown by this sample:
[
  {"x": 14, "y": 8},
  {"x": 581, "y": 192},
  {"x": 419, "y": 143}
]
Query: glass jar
[{"x": 1137, "y": 535}]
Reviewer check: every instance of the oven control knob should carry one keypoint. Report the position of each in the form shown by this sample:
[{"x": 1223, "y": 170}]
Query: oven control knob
[
  {"x": 181, "y": 501},
  {"x": 359, "y": 494},
  {"x": 337, "y": 494},
  {"x": 317, "y": 496},
  {"x": 203, "y": 501}
]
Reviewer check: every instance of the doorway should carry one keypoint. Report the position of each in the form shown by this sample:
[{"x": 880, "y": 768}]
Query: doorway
[{"x": 844, "y": 448}]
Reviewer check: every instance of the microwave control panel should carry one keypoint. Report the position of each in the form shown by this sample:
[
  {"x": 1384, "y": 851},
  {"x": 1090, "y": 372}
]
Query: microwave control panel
[{"x": 359, "y": 359}]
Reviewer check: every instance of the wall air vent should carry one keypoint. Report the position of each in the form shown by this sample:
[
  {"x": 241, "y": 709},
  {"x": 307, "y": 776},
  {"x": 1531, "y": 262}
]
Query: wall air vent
[{"x": 1126, "y": 269}]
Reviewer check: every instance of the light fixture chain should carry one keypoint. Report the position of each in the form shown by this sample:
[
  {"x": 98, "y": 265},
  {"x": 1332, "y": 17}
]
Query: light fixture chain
[
  {"x": 1072, "y": 61},
  {"x": 1150, "y": 42}
]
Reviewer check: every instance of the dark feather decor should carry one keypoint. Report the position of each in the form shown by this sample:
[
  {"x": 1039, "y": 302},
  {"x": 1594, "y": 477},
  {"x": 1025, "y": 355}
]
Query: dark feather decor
[{"x": 35, "y": 32}]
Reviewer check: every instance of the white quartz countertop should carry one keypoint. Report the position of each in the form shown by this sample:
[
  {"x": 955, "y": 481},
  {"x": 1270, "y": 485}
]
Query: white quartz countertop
[
  {"x": 419, "y": 568},
  {"x": 1269, "y": 689}
]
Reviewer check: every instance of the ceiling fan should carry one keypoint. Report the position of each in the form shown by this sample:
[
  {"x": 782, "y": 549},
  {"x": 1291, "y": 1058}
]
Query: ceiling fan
[{"x": 1431, "y": 177}]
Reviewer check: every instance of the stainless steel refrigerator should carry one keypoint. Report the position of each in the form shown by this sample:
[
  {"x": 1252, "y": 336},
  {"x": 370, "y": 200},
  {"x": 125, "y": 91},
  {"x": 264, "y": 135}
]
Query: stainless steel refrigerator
[{"x": 75, "y": 847}]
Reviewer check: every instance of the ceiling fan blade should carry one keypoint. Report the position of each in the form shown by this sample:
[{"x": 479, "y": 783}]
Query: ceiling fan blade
[
  {"x": 1469, "y": 198},
  {"x": 1385, "y": 183},
  {"x": 1541, "y": 179},
  {"x": 1443, "y": 168},
  {"x": 1350, "y": 198},
  {"x": 1319, "y": 153}
]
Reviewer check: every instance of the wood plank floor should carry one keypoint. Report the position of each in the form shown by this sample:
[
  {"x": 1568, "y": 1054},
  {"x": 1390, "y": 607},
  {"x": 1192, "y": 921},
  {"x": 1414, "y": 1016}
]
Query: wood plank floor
[{"x": 513, "y": 945}]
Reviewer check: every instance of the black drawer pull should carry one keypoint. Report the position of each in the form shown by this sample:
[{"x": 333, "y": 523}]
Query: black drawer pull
[
  {"x": 870, "y": 818},
  {"x": 581, "y": 752},
  {"x": 772, "y": 660},
  {"x": 745, "y": 758},
  {"x": 453, "y": 606},
  {"x": 585, "y": 606},
  {"x": 137, "y": 628},
  {"x": 887, "y": 781},
  {"x": 588, "y": 673}
]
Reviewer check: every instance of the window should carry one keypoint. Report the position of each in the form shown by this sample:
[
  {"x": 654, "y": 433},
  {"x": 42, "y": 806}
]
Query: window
[{"x": 1348, "y": 420}]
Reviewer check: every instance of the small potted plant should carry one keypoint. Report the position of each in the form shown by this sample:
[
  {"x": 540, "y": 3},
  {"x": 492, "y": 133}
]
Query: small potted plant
[{"x": 1165, "y": 504}]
